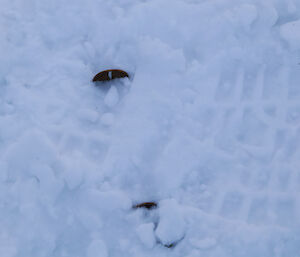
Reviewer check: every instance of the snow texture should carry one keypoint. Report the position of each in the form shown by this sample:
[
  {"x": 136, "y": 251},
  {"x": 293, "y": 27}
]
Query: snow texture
[
  {"x": 171, "y": 225},
  {"x": 146, "y": 234},
  {"x": 97, "y": 249},
  {"x": 207, "y": 125}
]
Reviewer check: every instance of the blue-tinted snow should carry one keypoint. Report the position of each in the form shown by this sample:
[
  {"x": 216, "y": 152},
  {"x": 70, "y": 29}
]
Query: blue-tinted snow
[{"x": 208, "y": 126}]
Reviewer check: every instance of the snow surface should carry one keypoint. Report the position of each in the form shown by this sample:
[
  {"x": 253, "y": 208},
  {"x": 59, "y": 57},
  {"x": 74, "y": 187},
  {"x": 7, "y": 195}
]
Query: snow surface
[{"x": 208, "y": 126}]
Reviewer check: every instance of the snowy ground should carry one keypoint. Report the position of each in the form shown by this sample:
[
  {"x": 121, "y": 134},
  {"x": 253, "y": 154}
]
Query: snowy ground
[{"x": 208, "y": 126}]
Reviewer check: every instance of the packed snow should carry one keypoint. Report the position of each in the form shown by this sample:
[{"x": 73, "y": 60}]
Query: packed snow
[{"x": 207, "y": 126}]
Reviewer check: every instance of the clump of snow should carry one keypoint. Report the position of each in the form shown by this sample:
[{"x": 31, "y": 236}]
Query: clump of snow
[
  {"x": 171, "y": 227},
  {"x": 112, "y": 97},
  {"x": 290, "y": 32}
]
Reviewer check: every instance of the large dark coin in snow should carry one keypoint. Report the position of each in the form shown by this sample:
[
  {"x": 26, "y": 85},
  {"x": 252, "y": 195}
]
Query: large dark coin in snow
[{"x": 107, "y": 75}]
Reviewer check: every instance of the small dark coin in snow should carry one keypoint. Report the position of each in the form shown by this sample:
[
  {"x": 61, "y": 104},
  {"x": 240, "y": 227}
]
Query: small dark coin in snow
[
  {"x": 170, "y": 245},
  {"x": 147, "y": 205},
  {"x": 107, "y": 75}
]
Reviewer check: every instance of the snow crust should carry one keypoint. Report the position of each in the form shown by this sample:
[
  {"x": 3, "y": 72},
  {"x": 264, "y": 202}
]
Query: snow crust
[{"x": 208, "y": 126}]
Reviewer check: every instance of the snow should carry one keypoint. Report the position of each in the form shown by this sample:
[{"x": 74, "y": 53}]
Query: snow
[
  {"x": 108, "y": 119},
  {"x": 97, "y": 248},
  {"x": 207, "y": 125},
  {"x": 204, "y": 243},
  {"x": 171, "y": 227},
  {"x": 146, "y": 234},
  {"x": 112, "y": 97},
  {"x": 290, "y": 32}
]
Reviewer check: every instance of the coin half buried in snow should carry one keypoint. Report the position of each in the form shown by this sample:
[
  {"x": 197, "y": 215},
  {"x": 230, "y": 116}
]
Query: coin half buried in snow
[
  {"x": 107, "y": 75},
  {"x": 146, "y": 205}
]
